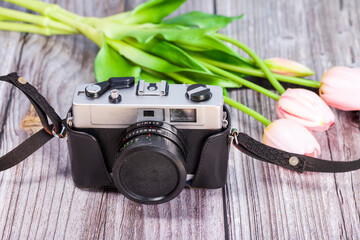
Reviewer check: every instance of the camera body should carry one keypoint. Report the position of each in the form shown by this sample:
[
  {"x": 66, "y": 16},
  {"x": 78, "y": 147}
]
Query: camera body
[{"x": 149, "y": 140}]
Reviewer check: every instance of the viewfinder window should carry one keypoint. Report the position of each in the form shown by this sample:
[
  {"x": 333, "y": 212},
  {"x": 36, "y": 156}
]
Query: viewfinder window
[
  {"x": 148, "y": 113},
  {"x": 183, "y": 115}
]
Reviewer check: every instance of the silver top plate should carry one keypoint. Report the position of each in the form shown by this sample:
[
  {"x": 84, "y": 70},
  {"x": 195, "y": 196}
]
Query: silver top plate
[{"x": 101, "y": 113}]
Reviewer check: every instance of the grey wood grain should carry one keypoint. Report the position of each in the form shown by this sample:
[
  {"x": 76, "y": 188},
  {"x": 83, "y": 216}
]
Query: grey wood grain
[
  {"x": 38, "y": 199},
  {"x": 268, "y": 202}
]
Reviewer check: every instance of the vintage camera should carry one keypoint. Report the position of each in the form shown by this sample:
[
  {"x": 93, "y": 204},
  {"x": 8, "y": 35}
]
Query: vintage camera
[{"x": 149, "y": 140}]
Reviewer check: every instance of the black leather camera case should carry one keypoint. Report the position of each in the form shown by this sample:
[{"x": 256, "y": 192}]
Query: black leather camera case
[{"x": 92, "y": 153}]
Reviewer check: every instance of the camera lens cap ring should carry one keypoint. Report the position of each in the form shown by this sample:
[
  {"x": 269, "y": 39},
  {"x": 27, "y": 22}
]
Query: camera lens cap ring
[{"x": 150, "y": 172}]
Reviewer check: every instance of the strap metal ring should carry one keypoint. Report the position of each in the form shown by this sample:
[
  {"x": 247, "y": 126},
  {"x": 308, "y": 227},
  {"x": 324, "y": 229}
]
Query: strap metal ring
[
  {"x": 233, "y": 136},
  {"x": 62, "y": 134}
]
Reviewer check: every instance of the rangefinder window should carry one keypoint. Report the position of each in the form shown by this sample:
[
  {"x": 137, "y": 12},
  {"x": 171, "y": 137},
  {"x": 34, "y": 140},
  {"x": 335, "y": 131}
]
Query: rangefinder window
[{"x": 182, "y": 115}]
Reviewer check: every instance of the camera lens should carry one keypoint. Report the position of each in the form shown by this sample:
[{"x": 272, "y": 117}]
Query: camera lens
[{"x": 150, "y": 164}]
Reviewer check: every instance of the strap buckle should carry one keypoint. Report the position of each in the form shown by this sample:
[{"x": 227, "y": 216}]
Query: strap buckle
[
  {"x": 233, "y": 136},
  {"x": 62, "y": 134}
]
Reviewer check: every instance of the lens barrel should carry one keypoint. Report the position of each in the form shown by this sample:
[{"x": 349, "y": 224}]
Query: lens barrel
[{"x": 150, "y": 165}]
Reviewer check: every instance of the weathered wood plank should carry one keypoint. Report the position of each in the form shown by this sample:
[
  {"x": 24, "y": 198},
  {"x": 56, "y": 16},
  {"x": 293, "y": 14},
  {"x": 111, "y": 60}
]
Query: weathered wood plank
[
  {"x": 266, "y": 201},
  {"x": 8, "y": 56},
  {"x": 39, "y": 199}
]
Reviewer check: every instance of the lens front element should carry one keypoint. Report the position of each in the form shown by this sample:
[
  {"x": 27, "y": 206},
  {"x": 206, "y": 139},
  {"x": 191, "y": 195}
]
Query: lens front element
[{"x": 150, "y": 165}]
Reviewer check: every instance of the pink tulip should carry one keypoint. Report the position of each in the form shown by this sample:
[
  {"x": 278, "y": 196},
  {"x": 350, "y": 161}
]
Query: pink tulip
[
  {"x": 287, "y": 67},
  {"x": 305, "y": 108},
  {"x": 340, "y": 88},
  {"x": 290, "y": 136}
]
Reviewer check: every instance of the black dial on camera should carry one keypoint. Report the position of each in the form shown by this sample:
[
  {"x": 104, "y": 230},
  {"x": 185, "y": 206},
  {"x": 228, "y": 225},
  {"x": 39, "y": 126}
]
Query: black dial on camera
[
  {"x": 198, "y": 93},
  {"x": 150, "y": 163}
]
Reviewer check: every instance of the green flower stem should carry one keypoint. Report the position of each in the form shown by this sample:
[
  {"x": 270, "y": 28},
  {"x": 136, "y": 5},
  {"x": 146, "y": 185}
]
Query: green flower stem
[
  {"x": 2, "y": 18},
  {"x": 66, "y": 12},
  {"x": 35, "y": 19},
  {"x": 93, "y": 34},
  {"x": 75, "y": 21},
  {"x": 65, "y": 17},
  {"x": 225, "y": 92},
  {"x": 227, "y": 100},
  {"x": 120, "y": 17},
  {"x": 55, "y": 12},
  {"x": 117, "y": 18},
  {"x": 42, "y": 7},
  {"x": 34, "y": 5},
  {"x": 256, "y": 58},
  {"x": 48, "y": 9},
  {"x": 30, "y": 28},
  {"x": 57, "y": 15},
  {"x": 259, "y": 73},
  {"x": 93, "y": 21},
  {"x": 247, "y": 110},
  {"x": 240, "y": 80},
  {"x": 72, "y": 20}
]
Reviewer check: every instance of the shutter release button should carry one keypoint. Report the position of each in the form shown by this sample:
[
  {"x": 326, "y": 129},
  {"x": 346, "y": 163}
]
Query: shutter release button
[{"x": 198, "y": 93}]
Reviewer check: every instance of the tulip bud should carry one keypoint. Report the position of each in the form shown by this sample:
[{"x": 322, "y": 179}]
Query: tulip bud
[
  {"x": 340, "y": 88},
  {"x": 290, "y": 136},
  {"x": 306, "y": 108},
  {"x": 288, "y": 67}
]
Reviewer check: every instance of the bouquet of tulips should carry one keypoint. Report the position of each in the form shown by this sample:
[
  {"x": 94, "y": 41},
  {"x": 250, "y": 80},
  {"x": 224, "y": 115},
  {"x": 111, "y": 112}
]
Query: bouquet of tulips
[{"x": 188, "y": 49}]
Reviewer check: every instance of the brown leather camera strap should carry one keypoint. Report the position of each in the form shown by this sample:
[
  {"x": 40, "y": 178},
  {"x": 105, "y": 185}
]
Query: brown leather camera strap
[
  {"x": 241, "y": 141},
  {"x": 45, "y": 111}
]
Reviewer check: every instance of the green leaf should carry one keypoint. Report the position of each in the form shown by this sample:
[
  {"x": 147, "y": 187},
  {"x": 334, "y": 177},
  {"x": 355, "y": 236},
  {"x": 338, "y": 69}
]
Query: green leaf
[
  {"x": 224, "y": 57},
  {"x": 154, "y": 77},
  {"x": 160, "y": 65},
  {"x": 152, "y": 11},
  {"x": 170, "y": 52},
  {"x": 210, "y": 79},
  {"x": 205, "y": 43},
  {"x": 146, "y": 32},
  {"x": 109, "y": 63},
  {"x": 202, "y": 20},
  {"x": 142, "y": 58}
]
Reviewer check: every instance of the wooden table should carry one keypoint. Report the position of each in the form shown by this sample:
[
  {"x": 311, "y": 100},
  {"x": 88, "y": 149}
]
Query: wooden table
[{"x": 38, "y": 199}]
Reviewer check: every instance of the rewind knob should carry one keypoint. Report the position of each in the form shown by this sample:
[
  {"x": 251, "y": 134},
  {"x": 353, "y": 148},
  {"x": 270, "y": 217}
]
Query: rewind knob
[{"x": 198, "y": 93}]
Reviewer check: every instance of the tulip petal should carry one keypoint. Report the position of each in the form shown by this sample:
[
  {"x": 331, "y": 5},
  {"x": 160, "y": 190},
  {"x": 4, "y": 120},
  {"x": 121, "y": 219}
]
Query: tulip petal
[
  {"x": 306, "y": 108},
  {"x": 290, "y": 136},
  {"x": 288, "y": 67},
  {"x": 340, "y": 88}
]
